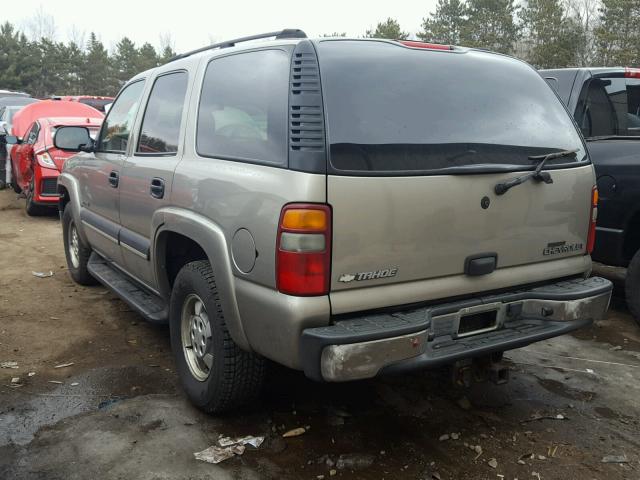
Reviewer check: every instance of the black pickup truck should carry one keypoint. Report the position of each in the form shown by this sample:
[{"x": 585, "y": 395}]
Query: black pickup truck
[{"x": 605, "y": 103}]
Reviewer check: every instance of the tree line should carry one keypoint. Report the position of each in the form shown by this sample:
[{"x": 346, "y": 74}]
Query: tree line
[
  {"x": 546, "y": 33},
  {"x": 46, "y": 67}
]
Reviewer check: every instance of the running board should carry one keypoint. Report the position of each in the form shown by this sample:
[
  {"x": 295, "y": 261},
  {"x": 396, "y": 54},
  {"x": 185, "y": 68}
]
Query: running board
[{"x": 147, "y": 304}]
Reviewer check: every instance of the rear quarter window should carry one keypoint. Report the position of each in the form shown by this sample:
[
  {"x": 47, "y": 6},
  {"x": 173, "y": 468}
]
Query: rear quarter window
[{"x": 243, "y": 108}]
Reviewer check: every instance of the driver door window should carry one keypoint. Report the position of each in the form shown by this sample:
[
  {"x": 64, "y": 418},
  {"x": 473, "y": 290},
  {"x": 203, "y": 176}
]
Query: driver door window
[{"x": 116, "y": 128}]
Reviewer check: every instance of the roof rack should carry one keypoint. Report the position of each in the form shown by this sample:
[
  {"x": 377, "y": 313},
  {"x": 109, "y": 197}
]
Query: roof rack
[{"x": 286, "y": 33}]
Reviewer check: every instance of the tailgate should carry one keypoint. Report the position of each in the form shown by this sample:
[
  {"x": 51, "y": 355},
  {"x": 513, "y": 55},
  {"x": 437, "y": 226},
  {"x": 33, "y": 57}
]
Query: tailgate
[{"x": 401, "y": 229}]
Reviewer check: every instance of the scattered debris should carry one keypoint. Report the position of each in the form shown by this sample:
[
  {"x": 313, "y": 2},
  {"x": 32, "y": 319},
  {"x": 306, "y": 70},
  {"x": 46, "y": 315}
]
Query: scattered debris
[
  {"x": 535, "y": 474},
  {"x": 75, "y": 384},
  {"x": 464, "y": 403},
  {"x": 9, "y": 365},
  {"x": 217, "y": 454},
  {"x": 493, "y": 463},
  {"x": 31, "y": 374},
  {"x": 541, "y": 457},
  {"x": 247, "y": 440},
  {"x": 56, "y": 382},
  {"x": 616, "y": 348},
  {"x": 42, "y": 274},
  {"x": 444, "y": 438},
  {"x": 333, "y": 472},
  {"x": 536, "y": 418},
  {"x": 296, "y": 432},
  {"x": 15, "y": 382},
  {"x": 455, "y": 436},
  {"x": 588, "y": 370},
  {"x": 615, "y": 459},
  {"x": 64, "y": 365},
  {"x": 354, "y": 461}
]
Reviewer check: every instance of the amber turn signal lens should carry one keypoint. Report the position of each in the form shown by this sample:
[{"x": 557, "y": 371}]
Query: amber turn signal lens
[{"x": 303, "y": 219}]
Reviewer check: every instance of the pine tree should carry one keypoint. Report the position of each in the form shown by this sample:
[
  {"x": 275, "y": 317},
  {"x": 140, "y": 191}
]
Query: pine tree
[
  {"x": 147, "y": 58},
  {"x": 553, "y": 37},
  {"x": 618, "y": 37},
  {"x": 96, "y": 75},
  {"x": 125, "y": 61},
  {"x": 445, "y": 25},
  {"x": 390, "y": 28},
  {"x": 490, "y": 24}
]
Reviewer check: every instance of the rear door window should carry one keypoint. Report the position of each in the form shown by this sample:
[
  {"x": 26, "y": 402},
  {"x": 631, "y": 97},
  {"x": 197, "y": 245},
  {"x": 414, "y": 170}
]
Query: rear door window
[
  {"x": 160, "y": 129},
  {"x": 243, "y": 108},
  {"x": 610, "y": 107},
  {"x": 406, "y": 110}
]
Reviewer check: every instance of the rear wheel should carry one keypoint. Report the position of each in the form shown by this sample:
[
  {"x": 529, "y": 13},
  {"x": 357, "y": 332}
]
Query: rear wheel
[
  {"x": 32, "y": 208},
  {"x": 76, "y": 251},
  {"x": 14, "y": 182},
  {"x": 632, "y": 287},
  {"x": 217, "y": 375}
]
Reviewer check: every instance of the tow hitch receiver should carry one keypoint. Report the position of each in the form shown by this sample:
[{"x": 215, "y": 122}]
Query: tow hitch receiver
[{"x": 465, "y": 372}]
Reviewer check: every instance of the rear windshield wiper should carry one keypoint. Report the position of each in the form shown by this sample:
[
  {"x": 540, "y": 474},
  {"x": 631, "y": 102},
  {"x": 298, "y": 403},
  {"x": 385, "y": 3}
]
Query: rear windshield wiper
[
  {"x": 537, "y": 174},
  {"x": 612, "y": 137}
]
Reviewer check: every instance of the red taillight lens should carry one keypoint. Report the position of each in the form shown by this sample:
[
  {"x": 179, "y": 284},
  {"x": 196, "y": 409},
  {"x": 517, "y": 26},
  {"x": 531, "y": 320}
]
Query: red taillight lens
[
  {"x": 593, "y": 215},
  {"x": 303, "y": 258},
  {"x": 632, "y": 72},
  {"x": 432, "y": 46}
]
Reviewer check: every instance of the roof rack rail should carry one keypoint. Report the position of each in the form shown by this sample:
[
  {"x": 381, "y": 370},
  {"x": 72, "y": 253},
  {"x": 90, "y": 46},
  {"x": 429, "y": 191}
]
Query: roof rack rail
[{"x": 286, "y": 33}]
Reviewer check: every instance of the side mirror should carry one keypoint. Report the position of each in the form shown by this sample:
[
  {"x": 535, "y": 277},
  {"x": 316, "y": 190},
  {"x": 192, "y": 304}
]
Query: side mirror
[
  {"x": 73, "y": 139},
  {"x": 12, "y": 140}
]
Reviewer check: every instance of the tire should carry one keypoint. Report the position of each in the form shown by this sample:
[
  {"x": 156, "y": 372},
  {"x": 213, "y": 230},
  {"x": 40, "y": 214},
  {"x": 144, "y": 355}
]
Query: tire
[
  {"x": 76, "y": 262},
  {"x": 14, "y": 182},
  {"x": 231, "y": 377},
  {"x": 632, "y": 287},
  {"x": 32, "y": 208}
]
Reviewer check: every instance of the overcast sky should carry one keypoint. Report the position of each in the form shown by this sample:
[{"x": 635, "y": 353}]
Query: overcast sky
[{"x": 193, "y": 24}]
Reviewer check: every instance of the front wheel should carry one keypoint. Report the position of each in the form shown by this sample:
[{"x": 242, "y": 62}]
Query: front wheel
[
  {"x": 76, "y": 251},
  {"x": 216, "y": 374},
  {"x": 632, "y": 287}
]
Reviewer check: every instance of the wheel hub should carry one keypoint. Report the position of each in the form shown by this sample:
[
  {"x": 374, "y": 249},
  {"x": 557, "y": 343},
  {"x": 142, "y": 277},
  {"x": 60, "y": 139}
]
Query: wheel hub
[
  {"x": 74, "y": 246},
  {"x": 196, "y": 337}
]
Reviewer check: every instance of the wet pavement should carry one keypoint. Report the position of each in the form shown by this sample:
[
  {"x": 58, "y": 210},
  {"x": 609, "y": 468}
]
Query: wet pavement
[{"x": 118, "y": 411}]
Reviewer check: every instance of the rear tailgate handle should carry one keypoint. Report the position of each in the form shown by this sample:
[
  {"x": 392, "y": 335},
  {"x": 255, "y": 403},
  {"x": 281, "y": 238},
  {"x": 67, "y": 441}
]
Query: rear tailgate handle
[
  {"x": 113, "y": 179},
  {"x": 157, "y": 187},
  {"x": 480, "y": 264}
]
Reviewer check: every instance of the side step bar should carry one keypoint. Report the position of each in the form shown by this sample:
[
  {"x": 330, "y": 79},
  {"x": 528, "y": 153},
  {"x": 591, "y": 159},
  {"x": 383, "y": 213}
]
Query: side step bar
[{"x": 147, "y": 304}]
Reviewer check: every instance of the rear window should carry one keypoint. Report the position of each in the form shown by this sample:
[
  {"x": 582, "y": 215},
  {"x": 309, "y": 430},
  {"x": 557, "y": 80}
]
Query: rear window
[
  {"x": 610, "y": 107},
  {"x": 397, "y": 109}
]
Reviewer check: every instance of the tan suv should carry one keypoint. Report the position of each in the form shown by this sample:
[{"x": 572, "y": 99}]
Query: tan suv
[{"x": 344, "y": 207}]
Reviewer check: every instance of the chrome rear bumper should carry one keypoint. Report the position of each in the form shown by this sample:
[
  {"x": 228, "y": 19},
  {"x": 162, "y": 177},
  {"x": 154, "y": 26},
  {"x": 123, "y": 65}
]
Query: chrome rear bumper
[{"x": 364, "y": 347}]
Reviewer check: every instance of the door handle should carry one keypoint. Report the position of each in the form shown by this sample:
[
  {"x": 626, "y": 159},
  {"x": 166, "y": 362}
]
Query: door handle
[
  {"x": 114, "y": 178},
  {"x": 157, "y": 187}
]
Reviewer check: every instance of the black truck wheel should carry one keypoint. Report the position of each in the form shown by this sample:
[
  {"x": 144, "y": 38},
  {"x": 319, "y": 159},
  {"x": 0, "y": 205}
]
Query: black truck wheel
[{"x": 216, "y": 374}]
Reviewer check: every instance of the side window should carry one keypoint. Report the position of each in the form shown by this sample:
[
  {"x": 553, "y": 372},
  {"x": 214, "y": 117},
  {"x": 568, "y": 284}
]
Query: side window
[
  {"x": 32, "y": 135},
  {"x": 162, "y": 118},
  {"x": 243, "y": 108},
  {"x": 116, "y": 128},
  {"x": 611, "y": 107}
]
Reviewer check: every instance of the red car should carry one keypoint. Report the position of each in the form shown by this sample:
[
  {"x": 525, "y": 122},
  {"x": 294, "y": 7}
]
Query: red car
[{"x": 36, "y": 163}]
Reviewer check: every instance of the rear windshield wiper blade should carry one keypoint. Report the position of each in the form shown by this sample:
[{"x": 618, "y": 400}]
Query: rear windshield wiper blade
[
  {"x": 612, "y": 137},
  {"x": 537, "y": 174}
]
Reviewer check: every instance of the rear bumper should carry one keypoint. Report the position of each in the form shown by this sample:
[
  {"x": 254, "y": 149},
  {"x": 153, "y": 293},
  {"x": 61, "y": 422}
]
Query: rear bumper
[
  {"x": 429, "y": 337},
  {"x": 45, "y": 182}
]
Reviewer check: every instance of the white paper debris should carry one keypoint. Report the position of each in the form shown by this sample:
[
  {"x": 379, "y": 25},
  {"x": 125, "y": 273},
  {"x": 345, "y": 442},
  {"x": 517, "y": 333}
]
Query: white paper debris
[
  {"x": 9, "y": 365},
  {"x": 63, "y": 365},
  {"x": 248, "y": 440},
  {"x": 42, "y": 274},
  {"x": 217, "y": 454}
]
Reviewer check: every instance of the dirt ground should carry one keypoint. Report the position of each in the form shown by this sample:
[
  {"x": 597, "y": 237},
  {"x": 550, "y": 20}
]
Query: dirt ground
[{"x": 117, "y": 412}]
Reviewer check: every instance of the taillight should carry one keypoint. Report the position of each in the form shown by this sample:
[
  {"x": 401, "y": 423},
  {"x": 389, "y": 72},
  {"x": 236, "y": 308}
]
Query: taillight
[
  {"x": 632, "y": 72},
  {"x": 45, "y": 160},
  {"x": 303, "y": 258},
  {"x": 593, "y": 215},
  {"x": 431, "y": 46}
]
